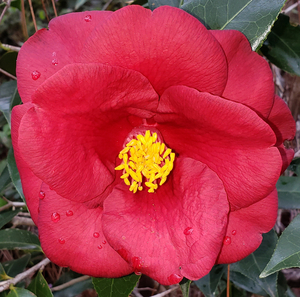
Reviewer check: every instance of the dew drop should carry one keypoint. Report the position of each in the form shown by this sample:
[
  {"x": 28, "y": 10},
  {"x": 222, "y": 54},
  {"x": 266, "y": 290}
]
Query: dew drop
[
  {"x": 61, "y": 241},
  {"x": 233, "y": 232},
  {"x": 96, "y": 234},
  {"x": 188, "y": 231},
  {"x": 104, "y": 242},
  {"x": 54, "y": 61},
  {"x": 175, "y": 278},
  {"x": 99, "y": 247},
  {"x": 55, "y": 217},
  {"x": 88, "y": 18},
  {"x": 35, "y": 75},
  {"x": 42, "y": 195},
  {"x": 137, "y": 273},
  {"x": 227, "y": 240},
  {"x": 69, "y": 213}
]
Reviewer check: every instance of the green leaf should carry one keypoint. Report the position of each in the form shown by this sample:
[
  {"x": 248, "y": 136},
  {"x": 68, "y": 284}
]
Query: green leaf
[
  {"x": 245, "y": 273},
  {"x": 115, "y": 287},
  {"x": 3, "y": 275},
  {"x": 209, "y": 283},
  {"x": 17, "y": 266},
  {"x": 14, "y": 173},
  {"x": 7, "y": 216},
  {"x": 185, "y": 287},
  {"x": 39, "y": 286},
  {"x": 287, "y": 252},
  {"x": 254, "y": 18},
  {"x": 5, "y": 179},
  {"x": 7, "y": 93},
  {"x": 288, "y": 188},
  {"x": 12, "y": 239},
  {"x": 8, "y": 62},
  {"x": 282, "y": 47},
  {"x": 156, "y": 3},
  {"x": 20, "y": 292}
]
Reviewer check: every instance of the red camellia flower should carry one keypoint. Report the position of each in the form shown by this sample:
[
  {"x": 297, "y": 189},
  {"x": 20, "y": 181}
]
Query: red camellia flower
[{"x": 147, "y": 144}]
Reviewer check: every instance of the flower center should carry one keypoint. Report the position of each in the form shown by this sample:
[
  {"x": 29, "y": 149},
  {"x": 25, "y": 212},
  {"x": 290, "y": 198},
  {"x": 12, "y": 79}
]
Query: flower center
[{"x": 145, "y": 156}]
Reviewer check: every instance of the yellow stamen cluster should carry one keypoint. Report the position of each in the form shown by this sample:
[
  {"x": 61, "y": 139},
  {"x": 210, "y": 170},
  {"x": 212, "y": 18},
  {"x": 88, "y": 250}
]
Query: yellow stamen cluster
[{"x": 145, "y": 156}]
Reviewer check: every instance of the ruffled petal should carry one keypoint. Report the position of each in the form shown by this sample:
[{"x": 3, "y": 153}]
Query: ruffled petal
[
  {"x": 283, "y": 124},
  {"x": 48, "y": 51},
  {"x": 227, "y": 136},
  {"x": 71, "y": 236},
  {"x": 31, "y": 184},
  {"x": 245, "y": 227},
  {"x": 250, "y": 79},
  {"x": 168, "y": 46},
  {"x": 180, "y": 225},
  {"x": 81, "y": 116}
]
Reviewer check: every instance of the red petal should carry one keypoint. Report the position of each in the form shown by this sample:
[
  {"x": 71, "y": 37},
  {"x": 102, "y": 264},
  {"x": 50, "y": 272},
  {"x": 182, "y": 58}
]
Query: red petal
[
  {"x": 245, "y": 227},
  {"x": 180, "y": 225},
  {"x": 250, "y": 79},
  {"x": 30, "y": 183},
  {"x": 73, "y": 135},
  {"x": 168, "y": 46},
  {"x": 71, "y": 235},
  {"x": 228, "y": 137},
  {"x": 283, "y": 124},
  {"x": 48, "y": 51}
]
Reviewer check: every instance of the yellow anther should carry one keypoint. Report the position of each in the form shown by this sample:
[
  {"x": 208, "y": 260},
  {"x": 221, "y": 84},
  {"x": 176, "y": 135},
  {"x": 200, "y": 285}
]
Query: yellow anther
[{"x": 148, "y": 159}]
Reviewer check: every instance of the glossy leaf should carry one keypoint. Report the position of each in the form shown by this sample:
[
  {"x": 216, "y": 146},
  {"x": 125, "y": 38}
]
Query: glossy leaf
[
  {"x": 254, "y": 18},
  {"x": 7, "y": 216},
  {"x": 185, "y": 287},
  {"x": 282, "y": 47},
  {"x": 5, "y": 179},
  {"x": 288, "y": 188},
  {"x": 14, "y": 173},
  {"x": 209, "y": 283},
  {"x": 20, "y": 292},
  {"x": 39, "y": 286},
  {"x": 7, "y": 93},
  {"x": 245, "y": 273},
  {"x": 115, "y": 287},
  {"x": 156, "y": 3},
  {"x": 287, "y": 252},
  {"x": 17, "y": 266},
  {"x": 8, "y": 62},
  {"x": 11, "y": 239}
]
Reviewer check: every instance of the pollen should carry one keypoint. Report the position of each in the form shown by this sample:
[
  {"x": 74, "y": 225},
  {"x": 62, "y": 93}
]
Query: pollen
[{"x": 146, "y": 162}]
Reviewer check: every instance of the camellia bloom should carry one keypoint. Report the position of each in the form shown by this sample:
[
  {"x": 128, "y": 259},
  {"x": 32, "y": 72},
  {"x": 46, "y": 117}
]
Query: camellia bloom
[{"x": 147, "y": 144}]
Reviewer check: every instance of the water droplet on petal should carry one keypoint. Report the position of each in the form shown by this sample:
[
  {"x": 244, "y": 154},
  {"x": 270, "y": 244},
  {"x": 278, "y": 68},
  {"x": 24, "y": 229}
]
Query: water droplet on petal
[
  {"x": 42, "y": 195},
  {"x": 104, "y": 242},
  {"x": 69, "y": 213},
  {"x": 54, "y": 61},
  {"x": 99, "y": 247},
  {"x": 137, "y": 263},
  {"x": 227, "y": 240},
  {"x": 233, "y": 232},
  {"x": 61, "y": 241},
  {"x": 137, "y": 273},
  {"x": 188, "y": 231},
  {"x": 88, "y": 18},
  {"x": 35, "y": 75},
  {"x": 55, "y": 217},
  {"x": 175, "y": 278},
  {"x": 96, "y": 234}
]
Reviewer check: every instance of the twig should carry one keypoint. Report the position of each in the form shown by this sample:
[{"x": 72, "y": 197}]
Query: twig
[
  {"x": 23, "y": 20},
  {"x": 54, "y": 8},
  {"x": 136, "y": 292},
  {"x": 18, "y": 221},
  {"x": 32, "y": 14},
  {"x": 290, "y": 8},
  {"x": 12, "y": 204},
  {"x": 70, "y": 283},
  {"x": 4, "y": 9},
  {"x": 45, "y": 10},
  {"x": 228, "y": 281},
  {"x": 166, "y": 292},
  {"x": 8, "y": 47},
  {"x": 106, "y": 4},
  {"x": 8, "y": 74},
  {"x": 5, "y": 284}
]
